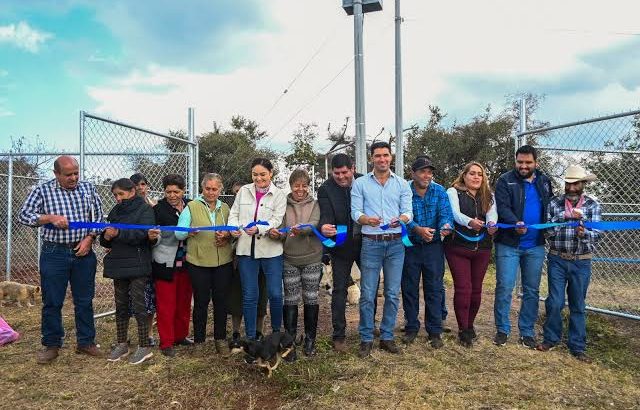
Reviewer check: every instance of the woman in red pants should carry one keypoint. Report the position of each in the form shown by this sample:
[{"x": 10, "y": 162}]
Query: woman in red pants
[
  {"x": 474, "y": 213},
  {"x": 171, "y": 280}
]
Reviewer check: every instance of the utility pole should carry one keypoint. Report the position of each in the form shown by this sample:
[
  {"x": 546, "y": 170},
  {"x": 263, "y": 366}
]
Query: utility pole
[
  {"x": 399, "y": 135},
  {"x": 358, "y": 8}
]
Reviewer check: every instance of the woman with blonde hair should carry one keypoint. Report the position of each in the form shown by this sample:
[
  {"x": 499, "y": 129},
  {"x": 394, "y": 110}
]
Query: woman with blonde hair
[{"x": 468, "y": 250}]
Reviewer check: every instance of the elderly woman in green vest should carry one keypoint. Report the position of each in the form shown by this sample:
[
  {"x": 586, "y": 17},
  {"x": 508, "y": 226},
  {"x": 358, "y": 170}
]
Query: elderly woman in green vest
[{"x": 209, "y": 260}]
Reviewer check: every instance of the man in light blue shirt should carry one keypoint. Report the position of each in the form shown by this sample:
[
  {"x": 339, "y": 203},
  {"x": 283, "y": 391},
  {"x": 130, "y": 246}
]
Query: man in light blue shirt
[{"x": 377, "y": 199}]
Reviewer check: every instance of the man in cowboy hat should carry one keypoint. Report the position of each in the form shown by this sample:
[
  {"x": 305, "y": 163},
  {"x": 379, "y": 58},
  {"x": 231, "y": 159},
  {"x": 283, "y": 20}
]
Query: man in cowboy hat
[{"x": 569, "y": 261}]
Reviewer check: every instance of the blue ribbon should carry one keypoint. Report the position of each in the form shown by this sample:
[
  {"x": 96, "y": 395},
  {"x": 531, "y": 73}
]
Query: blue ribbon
[
  {"x": 341, "y": 234},
  {"x": 104, "y": 225},
  {"x": 471, "y": 238},
  {"x": 403, "y": 230}
]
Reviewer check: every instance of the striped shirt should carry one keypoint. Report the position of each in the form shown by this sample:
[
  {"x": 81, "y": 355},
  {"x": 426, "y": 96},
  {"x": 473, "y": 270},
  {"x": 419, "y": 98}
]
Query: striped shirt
[{"x": 81, "y": 204}]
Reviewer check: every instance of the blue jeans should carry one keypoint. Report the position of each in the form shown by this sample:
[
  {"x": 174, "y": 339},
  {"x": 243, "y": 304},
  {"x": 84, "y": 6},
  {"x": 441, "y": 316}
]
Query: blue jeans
[
  {"x": 574, "y": 277},
  {"x": 249, "y": 268},
  {"x": 508, "y": 259},
  {"x": 59, "y": 266},
  {"x": 376, "y": 255},
  {"x": 426, "y": 260}
]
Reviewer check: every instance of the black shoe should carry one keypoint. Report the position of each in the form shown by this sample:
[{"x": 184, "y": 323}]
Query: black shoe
[
  {"x": 168, "y": 351},
  {"x": 528, "y": 342},
  {"x": 409, "y": 337},
  {"x": 390, "y": 346},
  {"x": 310, "y": 327},
  {"x": 435, "y": 341},
  {"x": 582, "y": 357},
  {"x": 365, "y": 349},
  {"x": 545, "y": 346},
  {"x": 464, "y": 337},
  {"x": 500, "y": 339},
  {"x": 184, "y": 342}
]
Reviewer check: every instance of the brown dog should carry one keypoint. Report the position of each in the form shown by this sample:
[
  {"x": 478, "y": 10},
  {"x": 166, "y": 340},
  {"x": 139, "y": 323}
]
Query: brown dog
[{"x": 19, "y": 293}]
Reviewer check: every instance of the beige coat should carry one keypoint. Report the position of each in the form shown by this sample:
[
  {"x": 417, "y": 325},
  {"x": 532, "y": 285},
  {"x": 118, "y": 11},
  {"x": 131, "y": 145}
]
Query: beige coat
[{"x": 272, "y": 208}]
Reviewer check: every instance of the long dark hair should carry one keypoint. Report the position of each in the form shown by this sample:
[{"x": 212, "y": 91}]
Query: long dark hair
[{"x": 124, "y": 184}]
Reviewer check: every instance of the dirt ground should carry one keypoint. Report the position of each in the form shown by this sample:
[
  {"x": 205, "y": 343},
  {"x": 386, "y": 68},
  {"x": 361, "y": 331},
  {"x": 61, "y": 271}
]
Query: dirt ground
[{"x": 484, "y": 377}]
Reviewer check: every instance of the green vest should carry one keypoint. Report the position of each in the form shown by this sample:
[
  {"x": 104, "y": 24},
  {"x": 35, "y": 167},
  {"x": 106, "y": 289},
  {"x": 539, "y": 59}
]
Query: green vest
[{"x": 201, "y": 249}]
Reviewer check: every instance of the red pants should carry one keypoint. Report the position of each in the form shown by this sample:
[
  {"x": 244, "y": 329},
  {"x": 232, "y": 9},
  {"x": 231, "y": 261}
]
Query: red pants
[
  {"x": 173, "y": 308},
  {"x": 467, "y": 269}
]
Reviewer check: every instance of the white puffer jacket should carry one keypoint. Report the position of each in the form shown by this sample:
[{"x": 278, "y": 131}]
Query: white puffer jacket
[{"x": 272, "y": 208}]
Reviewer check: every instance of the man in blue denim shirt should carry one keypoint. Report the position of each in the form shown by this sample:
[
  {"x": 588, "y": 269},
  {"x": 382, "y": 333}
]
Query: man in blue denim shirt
[
  {"x": 432, "y": 219},
  {"x": 379, "y": 198},
  {"x": 522, "y": 198}
]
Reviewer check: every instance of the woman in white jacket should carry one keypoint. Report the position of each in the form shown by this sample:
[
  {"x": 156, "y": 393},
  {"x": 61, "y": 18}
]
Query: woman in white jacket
[{"x": 259, "y": 201}]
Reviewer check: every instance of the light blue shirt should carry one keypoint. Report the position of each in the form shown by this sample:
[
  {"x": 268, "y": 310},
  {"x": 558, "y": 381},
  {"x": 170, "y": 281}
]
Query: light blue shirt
[
  {"x": 391, "y": 200},
  {"x": 184, "y": 220}
]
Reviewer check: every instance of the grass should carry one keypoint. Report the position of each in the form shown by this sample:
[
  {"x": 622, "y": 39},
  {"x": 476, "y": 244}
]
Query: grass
[{"x": 484, "y": 377}]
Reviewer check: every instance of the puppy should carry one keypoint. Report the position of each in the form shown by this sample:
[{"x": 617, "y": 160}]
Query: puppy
[
  {"x": 19, "y": 293},
  {"x": 326, "y": 281},
  {"x": 353, "y": 294},
  {"x": 267, "y": 353}
]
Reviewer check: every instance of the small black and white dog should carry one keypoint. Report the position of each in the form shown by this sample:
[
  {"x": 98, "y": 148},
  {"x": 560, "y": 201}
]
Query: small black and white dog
[{"x": 266, "y": 353}]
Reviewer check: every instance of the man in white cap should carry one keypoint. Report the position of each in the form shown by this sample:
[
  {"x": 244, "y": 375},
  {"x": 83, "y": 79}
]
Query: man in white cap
[{"x": 569, "y": 262}]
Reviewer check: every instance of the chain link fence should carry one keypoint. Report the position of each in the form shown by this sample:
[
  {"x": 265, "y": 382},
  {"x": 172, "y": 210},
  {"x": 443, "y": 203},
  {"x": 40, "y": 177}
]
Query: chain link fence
[
  {"x": 609, "y": 147},
  {"x": 109, "y": 150}
]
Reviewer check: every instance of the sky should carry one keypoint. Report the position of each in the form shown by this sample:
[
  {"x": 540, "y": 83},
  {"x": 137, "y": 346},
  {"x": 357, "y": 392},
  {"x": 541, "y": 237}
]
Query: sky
[{"x": 145, "y": 62}]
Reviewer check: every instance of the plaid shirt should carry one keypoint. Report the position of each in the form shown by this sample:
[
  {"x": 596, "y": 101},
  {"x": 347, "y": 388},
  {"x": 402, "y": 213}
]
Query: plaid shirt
[
  {"x": 433, "y": 211},
  {"x": 564, "y": 239},
  {"x": 81, "y": 204}
]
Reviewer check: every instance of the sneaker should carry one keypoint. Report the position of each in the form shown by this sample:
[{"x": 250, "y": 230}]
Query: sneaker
[
  {"x": 340, "y": 346},
  {"x": 119, "y": 351},
  {"x": 222, "y": 347},
  {"x": 436, "y": 341},
  {"x": 47, "y": 355},
  {"x": 409, "y": 337},
  {"x": 390, "y": 346},
  {"x": 184, "y": 342},
  {"x": 142, "y": 354},
  {"x": 500, "y": 339},
  {"x": 545, "y": 346},
  {"x": 168, "y": 351},
  {"x": 365, "y": 349},
  {"x": 528, "y": 342},
  {"x": 582, "y": 357}
]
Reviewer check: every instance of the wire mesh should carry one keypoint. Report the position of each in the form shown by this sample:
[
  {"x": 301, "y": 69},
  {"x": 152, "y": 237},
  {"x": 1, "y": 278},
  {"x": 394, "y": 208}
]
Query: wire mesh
[
  {"x": 111, "y": 151},
  {"x": 609, "y": 148}
]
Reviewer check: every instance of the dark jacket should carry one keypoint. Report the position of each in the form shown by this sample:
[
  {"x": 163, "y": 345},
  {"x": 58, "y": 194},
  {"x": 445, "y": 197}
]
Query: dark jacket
[
  {"x": 130, "y": 255},
  {"x": 510, "y": 203},
  {"x": 471, "y": 207},
  {"x": 335, "y": 209},
  {"x": 165, "y": 250}
]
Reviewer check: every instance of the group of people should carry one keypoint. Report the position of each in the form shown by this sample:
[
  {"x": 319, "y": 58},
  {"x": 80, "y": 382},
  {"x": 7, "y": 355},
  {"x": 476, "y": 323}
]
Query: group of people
[{"x": 242, "y": 271}]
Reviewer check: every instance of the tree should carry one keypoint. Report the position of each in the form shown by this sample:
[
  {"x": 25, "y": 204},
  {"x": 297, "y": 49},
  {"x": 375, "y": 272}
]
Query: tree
[
  {"x": 229, "y": 152},
  {"x": 303, "y": 152}
]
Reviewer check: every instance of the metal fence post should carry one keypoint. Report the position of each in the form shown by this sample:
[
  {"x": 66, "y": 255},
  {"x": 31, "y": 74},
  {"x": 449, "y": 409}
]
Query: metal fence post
[
  {"x": 9, "y": 214},
  {"x": 193, "y": 183},
  {"x": 520, "y": 141},
  {"x": 82, "y": 162}
]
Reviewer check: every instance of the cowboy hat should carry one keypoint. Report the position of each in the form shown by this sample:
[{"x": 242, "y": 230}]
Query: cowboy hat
[{"x": 575, "y": 173}]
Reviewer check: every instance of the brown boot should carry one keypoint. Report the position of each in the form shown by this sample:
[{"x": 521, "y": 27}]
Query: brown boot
[
  {"x": 340, "y": 346},
  {"x": 47, "y": 355},
  {"x": 89, "y": 350}
]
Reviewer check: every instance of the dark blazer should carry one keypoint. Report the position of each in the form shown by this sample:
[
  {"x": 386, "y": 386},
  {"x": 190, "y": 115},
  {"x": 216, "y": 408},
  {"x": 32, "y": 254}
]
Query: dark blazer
[
  {"x": 335, "y": 209},
  {"x": 510, "y": 203},
  {"x": 130, "y": 255}
]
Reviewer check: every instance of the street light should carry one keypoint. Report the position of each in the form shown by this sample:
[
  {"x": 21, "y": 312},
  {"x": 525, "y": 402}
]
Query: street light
[{"x": 357, "y": 8}]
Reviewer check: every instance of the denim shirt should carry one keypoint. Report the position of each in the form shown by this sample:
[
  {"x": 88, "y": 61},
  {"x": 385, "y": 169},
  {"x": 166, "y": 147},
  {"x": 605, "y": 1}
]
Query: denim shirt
[{"x": 391, "y": 200}]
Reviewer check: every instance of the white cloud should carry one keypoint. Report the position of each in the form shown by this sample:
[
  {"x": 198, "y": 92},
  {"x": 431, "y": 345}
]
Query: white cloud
[
  {"x": 23, "y": 36},
  {"x": 441, "y": 40},
  {"x": 4, "y": 110}
]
